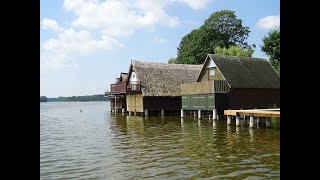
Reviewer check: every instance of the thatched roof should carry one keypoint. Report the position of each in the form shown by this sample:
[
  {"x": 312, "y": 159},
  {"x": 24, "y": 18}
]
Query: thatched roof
[
  {"x": 159, "y": 79},
  {"x": 244, "y": 72}
]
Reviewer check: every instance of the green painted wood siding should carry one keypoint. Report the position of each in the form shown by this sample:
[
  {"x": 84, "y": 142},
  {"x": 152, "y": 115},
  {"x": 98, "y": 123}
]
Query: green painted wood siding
[
  {"x": 186, "y": 103},
  {"x": 210, "y": 102},
  {"x": 198, "y": 102}
]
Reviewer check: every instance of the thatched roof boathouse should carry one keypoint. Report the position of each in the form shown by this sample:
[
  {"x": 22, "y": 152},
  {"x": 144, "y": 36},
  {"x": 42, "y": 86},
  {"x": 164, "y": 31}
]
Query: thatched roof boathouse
[
  {"x": 230, "y": 82},
  {"x": 155, "y": 87},
  {"x": 117, "y": 94}
]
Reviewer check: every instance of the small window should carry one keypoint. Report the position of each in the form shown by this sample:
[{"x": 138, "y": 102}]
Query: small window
[
  {"x": 133, "y": 76},
  {"x": 212, "y": 71}
]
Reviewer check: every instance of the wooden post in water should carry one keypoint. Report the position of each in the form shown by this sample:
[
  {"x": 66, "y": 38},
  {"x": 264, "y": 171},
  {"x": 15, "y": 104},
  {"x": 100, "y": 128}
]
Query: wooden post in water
[
  {"x": 122, "y": 111},
  {"x": 135, "y": 112},
  {"x": 251, "y": 121},
  {"x": 146, "y": 112},
  {"x": 209, "y": 116},
  {"x": 182, "y": 113},
  {"x": 199, "y": 114},
  {"x": 229, "y": 119},
  {"x": 162, "y": 112},
  {"x": 238, "y": 120},
  {"x": 194, "y": 114},
  {"x": 115, "y": 104},
  {"x": 214, "y": 114}
]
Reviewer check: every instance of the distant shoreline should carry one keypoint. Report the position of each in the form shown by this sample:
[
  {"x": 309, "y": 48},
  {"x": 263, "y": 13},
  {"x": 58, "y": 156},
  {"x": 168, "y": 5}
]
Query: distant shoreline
[
  {"x": 73, "y": 101},
  {"x": 87, "y": 98}
]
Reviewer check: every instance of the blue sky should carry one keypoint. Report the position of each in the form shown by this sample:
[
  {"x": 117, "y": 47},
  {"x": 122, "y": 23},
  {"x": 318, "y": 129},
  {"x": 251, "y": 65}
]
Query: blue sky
[{"x": 85, "y": 44}]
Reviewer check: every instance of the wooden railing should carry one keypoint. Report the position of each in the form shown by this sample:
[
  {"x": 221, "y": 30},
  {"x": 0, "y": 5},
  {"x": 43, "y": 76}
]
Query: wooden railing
[
  {"x": 220, "y": 86},
  {"x": 134, "y": 87},
  {"x": 118, "y": 87},
  {"x": 205, "y": 87}
]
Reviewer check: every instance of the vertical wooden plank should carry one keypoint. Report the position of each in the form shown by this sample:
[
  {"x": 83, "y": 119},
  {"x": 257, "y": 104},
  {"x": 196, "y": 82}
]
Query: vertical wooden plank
[{"x": 210, "y": 102}]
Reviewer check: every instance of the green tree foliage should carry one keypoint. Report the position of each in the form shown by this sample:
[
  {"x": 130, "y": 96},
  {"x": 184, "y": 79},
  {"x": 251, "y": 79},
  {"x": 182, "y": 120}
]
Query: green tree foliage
[
  {"x": 172, "y": 61},
  {"x": 221, "y": 29},
  {"x": 43, "y": 99},
  {"x": 98, "y": 97},
  {"x": 271, "y": 46},
  {"x": 233, "y": 51}
]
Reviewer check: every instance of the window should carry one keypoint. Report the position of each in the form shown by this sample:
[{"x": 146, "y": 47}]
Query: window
[
  {"x": 212, "y": 71},
  {"x": 133, "y": 75}
]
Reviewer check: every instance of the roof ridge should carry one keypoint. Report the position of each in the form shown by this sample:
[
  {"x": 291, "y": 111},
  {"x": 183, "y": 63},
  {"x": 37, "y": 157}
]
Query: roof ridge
[{"x": 166, "y": 64}]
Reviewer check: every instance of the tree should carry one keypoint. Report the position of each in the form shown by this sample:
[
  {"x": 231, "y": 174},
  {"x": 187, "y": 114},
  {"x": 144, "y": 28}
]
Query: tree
[
  {"x": 43, "y": 99},
  {"x": 234, "y": 51},
  {"x": 221, "y": 29},
  {"x": 172, "y": 61},
  {"x": 271, "y": 46}
]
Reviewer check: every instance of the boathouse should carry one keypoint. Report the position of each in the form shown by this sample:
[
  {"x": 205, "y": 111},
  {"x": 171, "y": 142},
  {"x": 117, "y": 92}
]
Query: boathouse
[
  {"x": 117, "y": 94},
  {"x": 154, "y": 88},
  {"x": 232, "y": 82}
]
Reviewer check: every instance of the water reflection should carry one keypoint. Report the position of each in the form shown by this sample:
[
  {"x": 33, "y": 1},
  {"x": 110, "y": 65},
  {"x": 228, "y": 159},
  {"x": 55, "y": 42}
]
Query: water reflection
[
  {"x": 116, "y": 146},
  {"x": 199, "y": 123},
  {"x": 182, "y": 126},
  {"x": 214, "y": 123},
  {"x": 251, "y": 132}
]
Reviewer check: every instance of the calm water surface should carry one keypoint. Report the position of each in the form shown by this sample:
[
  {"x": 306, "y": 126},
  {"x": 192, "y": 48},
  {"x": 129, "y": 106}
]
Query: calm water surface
[{"x": 96, "y": 144}]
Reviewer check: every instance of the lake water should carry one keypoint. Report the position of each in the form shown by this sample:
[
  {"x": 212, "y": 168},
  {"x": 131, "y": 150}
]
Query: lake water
[{"x": 96, "y": 144}]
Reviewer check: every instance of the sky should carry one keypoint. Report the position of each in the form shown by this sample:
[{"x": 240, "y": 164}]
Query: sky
[{"x": 86, "y": 44}]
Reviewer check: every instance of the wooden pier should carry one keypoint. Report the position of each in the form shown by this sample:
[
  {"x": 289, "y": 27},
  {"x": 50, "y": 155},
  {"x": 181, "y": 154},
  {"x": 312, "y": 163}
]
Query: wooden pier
[
  {"x": 260, "y": 114},
  {"x": 254, "y": 112}
]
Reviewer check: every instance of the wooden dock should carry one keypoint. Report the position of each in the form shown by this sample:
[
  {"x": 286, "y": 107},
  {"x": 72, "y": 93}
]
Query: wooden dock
[{"x": 254, "y": 112}]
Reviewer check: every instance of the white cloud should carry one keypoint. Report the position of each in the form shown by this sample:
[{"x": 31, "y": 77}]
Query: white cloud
[
  {"x": 70, "y": 41},
  {"x": 119, "y": 17},
  {"x": 52, "y": 62},
  {"x": 124, "y": 17},
  {"x": 196, "y": 4},
  {"x": 111, "y": 18},
  {"x": 159, "y": 40},
  {"x": 56, "y": 54},
  {"x": 269, "y": 22},
  {"x": 51, "y": 24}
]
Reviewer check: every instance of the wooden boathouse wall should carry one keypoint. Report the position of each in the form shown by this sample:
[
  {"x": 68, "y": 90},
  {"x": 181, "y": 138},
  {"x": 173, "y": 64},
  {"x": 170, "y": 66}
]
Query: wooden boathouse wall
[
  {"x": 235, "y": 99},
  {"x": 208, "y": 102},
  {"x": 205, "y": 95},
  {"x": 164, "y": 102},
  {"x": 139, "y": 103},
  {"x": 135, "y": 103},
  {"x": 204, "y": 76},
  {"x": 253, "y": 98}
]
